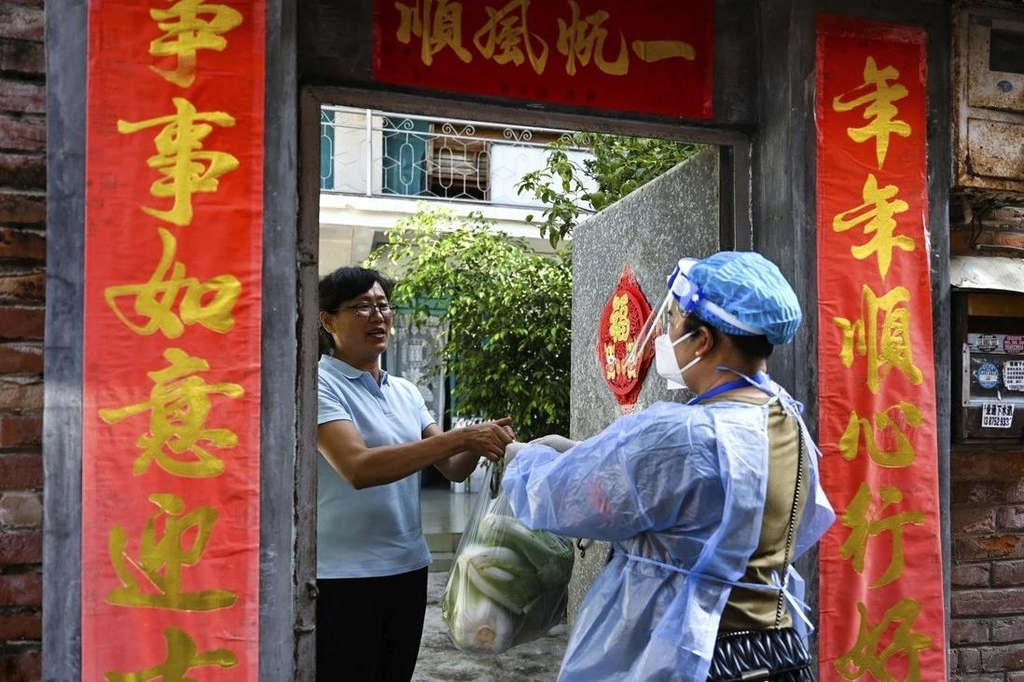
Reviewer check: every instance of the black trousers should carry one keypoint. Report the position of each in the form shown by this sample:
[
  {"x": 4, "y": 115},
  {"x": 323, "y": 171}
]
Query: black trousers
[{"x": 369, "y": 629}]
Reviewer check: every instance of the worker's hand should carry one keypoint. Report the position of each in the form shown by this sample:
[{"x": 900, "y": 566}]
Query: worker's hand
[
  {"x": 555, "y": 442},
  {"x": 488, "y": 439},
  {"x": 512, "y": 449}
]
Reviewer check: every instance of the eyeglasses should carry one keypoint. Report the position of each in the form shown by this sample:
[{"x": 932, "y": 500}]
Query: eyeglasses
[{"x": 386, "y": 310}]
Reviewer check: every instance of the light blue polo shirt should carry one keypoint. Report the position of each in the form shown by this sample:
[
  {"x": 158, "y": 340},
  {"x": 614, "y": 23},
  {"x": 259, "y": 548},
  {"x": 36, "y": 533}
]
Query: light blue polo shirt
[{"x": 375, "y": 531}]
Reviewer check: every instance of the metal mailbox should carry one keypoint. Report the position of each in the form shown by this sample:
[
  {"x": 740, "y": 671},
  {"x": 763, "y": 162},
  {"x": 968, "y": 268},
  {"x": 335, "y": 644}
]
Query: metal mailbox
[{"x": 990, "y": 376}]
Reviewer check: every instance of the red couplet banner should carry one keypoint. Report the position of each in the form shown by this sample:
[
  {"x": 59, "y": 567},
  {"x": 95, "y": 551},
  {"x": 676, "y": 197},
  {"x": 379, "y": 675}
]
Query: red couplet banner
[
  {"x": 881, "y": 607},
  {"x": 649, "y": 56},
  {"x": 171, "y": 421}
]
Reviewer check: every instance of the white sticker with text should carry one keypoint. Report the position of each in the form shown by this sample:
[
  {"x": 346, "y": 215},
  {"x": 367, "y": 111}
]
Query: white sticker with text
[
  {"x": 996, "y": 415},
  {"x": 1013, "y": 375}
]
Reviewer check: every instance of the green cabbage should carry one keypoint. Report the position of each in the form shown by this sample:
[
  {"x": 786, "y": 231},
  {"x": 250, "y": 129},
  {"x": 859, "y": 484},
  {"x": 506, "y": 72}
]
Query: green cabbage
[{"x": 507, "y": 586}]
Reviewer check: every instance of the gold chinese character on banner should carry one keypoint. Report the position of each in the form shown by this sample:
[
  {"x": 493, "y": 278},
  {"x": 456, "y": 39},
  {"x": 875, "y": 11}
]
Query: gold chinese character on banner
[
  {"x": 656, "y": 50},
  {"x": 582, "y": 38},
  {"x": 902, "y": 454},
  {"x": 505, "y": 37},
  {"x": 869, "y": 658},
  {"x": 208, "y": 303},
  {"x": 182, "y": 656},
  {"x": 180, "y": 406},
  {"x": 864, "y": 525},
  {"x": 163, "y": 552},
  {"x": 190, "y": 26},
  {"x": 876, "y": 215},
  {"x": 876, "y": 94},
  {"x": 886, "y": 347},
  {"x": 438, "y": 25},
  {"x": 186, "y": 167}
]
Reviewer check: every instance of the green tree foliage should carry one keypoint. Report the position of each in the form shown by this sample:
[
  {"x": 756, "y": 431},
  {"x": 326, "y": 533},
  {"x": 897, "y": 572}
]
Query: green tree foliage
[
  {"x": 507, "y": 310},
  {"x": 618, "y": 166}
]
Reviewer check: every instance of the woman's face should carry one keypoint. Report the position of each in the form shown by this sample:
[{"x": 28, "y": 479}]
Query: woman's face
[
  {"x": 359, "y": 339},
  {"x": 675, "y": 321}
]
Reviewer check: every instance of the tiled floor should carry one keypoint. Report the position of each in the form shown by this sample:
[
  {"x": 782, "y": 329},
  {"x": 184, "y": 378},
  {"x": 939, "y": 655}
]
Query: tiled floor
[
  {"x": 445, "y": 511},
  {"x": 445, "y": 514}
]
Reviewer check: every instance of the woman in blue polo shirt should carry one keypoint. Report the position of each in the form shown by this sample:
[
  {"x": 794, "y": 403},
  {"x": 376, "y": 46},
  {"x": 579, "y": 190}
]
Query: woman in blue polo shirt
[{"x": 375, "y": 434}]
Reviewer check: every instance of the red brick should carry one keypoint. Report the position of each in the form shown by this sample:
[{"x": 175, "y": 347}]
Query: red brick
[
  {"x": 968, "y": 464},
  {"x": 22, "y": 56},
  {"x": 23, "y": 170},
  {"x": 987, "y": 492},
  {"x": 967, "y": 519},
  {"x": 26, "y": 287},
  {"x": 21, "y": 548},
  {"x": 21, "y": 323},
  {"x": 20, "y": 359},
  {"x": 21, "y": 472},
  {"x": 21, "y": 510},
  {"x": 22, "y": 97},
  {"x": 986, "y": 547},
  {"x": 1008, "y": 464},
  {"x": 981, "y": 603},
  {"x": 21, "y": 589},
  {"x": 22, "y": 133},
  {"x": 966, "y": 660},
  {"x": 21, "y": 667},
  {"x": 20, "y": 626},
  {"x": 20, "y": 431},
  {"x": 21, "y": 208},
  {"x": 1010, "y": 518},
  {"x": 1008, "y": 573},
  {"x": 1003, "y": 658},
  {"x": 20, "y": 244},
  {"x": 968, "y": 632},
  {"x": 21, "y": 22},
  {"x": 1008, "y": 630},
  {"x": 16, "y": 396},
  {"x": 970, "y": 575},
  {"x": 964, "y": 492}
]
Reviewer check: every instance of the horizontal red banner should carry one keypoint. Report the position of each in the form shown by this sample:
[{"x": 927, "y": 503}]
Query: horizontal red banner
[{"x": 648, "y": 56}]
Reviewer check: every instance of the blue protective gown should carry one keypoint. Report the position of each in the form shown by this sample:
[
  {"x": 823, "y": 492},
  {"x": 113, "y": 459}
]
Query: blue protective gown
[{"x": 679, "y": 492}]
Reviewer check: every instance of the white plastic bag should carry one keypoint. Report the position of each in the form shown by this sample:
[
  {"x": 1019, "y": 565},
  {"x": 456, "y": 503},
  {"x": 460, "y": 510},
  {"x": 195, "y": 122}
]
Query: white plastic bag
[{"x": 508, "y": 584}]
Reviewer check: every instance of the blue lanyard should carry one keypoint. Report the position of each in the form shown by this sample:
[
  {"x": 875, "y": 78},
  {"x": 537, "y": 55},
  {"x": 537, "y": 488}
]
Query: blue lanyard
[{"x": 760, "y": 380}]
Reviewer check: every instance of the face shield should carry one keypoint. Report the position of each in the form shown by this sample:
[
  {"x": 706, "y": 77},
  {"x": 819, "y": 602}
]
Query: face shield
[{"x": 680, "y": 289}]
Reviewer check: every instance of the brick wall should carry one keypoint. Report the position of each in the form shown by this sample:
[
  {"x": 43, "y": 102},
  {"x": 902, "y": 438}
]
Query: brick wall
[
  {"x": 22, "y": 285},
  {"x": 987, "y": 519}
]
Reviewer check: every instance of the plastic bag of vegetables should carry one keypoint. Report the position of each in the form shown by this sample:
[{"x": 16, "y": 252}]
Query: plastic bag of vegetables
[{"x": 508, "y": 583}]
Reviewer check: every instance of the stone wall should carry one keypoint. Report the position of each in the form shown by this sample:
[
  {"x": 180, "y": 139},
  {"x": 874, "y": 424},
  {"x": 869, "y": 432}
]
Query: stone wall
[
  {"x": 987, "y": 576},
  {"x": 22, "y": 285},
  {"x": 650, "y": 229}
]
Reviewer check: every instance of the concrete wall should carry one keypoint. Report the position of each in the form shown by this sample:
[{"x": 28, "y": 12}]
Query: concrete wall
[
  {"x": 22, "y": 283},
  {"x": 676, "y": 215}
]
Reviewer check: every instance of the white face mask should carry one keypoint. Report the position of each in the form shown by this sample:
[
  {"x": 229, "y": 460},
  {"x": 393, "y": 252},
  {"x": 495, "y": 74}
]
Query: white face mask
[{"x": 665, "y": 362}]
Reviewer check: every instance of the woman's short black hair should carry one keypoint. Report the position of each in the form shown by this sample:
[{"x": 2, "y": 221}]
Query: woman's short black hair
[
  {"x": 342, "y": 285},
  {"x": 750, "y": 347}
]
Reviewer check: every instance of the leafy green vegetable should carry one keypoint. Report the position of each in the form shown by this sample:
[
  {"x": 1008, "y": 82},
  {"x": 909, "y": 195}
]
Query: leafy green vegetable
[{"x": 508, "y": 585}]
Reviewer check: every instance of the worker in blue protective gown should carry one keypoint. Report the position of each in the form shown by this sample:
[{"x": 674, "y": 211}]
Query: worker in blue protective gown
[{"x": 706, "y": 504}]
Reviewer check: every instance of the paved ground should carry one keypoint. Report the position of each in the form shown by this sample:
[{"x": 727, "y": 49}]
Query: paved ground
[{"x": 440, "y": 661}]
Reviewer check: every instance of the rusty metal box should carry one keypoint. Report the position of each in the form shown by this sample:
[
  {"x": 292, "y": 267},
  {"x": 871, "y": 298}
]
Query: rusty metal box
[{"x": 988, "y": 110}]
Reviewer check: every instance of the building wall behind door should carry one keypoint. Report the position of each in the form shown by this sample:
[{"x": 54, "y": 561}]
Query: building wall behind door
[{"x": 22, "y": 285}]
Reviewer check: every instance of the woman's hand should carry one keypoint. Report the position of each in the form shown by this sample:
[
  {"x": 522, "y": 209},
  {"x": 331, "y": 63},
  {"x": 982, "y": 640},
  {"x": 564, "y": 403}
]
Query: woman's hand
[{"x": 488, "y": 439}]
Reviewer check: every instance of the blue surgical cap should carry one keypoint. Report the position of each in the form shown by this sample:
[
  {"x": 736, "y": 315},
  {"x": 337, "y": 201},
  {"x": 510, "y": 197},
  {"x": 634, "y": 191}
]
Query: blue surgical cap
[{"x": 751, "y": 290}]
